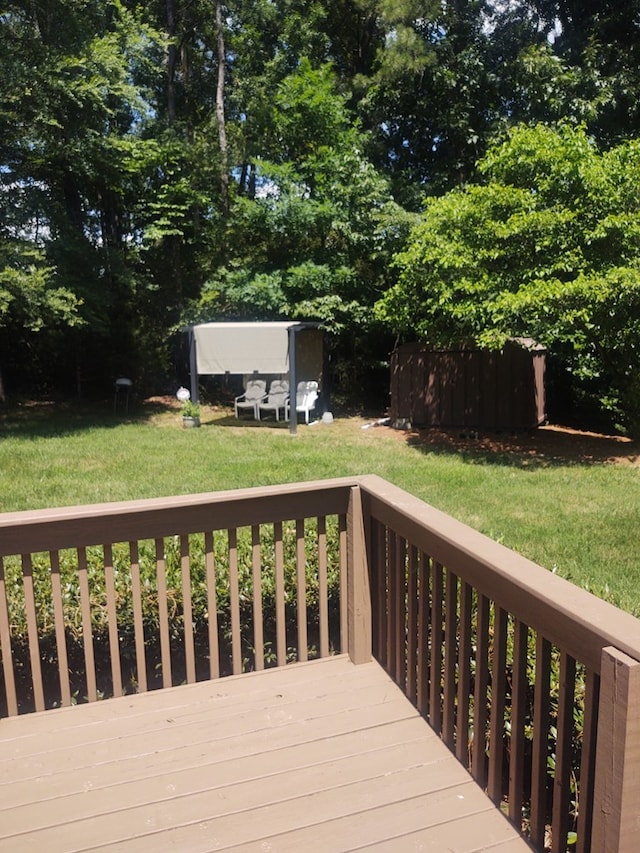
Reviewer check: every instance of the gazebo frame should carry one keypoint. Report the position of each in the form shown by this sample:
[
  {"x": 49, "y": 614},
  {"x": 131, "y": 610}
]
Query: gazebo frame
[{"x": 289, "y": 328}]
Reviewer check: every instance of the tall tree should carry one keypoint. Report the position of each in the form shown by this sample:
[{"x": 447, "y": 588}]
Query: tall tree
[
  {"x": 431, "y": 100},
  {"x": 72, "y": 151},
  {"x": 314, "y": 238}
]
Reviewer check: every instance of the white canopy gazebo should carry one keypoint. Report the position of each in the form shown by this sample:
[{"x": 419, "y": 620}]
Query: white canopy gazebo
[{"x": 280, "y": 348}]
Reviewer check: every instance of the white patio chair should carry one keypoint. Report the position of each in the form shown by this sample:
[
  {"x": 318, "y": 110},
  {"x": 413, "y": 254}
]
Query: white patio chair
[
  {"x": 306, "y": 398},
  {"x": 277, "y": 399},
  {"x": 255, "y": 390}
]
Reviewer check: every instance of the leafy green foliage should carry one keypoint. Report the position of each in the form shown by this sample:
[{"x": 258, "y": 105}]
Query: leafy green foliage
[
  {"x": 548, "y": 247},
  {"x": 313, "y": 236},
  {"x": 28, "y": 301}
]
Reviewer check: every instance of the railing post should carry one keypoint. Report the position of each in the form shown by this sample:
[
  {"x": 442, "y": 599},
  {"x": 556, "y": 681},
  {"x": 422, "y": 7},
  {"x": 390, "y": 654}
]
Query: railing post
[
  {"x": 616, "y": 802},
  {"x": 358, "y": 592}
]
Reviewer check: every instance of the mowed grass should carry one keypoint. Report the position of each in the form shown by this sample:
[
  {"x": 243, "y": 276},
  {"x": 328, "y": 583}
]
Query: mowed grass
[{"x": 573, "y": 514}]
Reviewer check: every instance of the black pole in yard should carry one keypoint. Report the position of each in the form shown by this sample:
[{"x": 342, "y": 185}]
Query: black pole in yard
[
  {"x": 293, "y": 415},
  {"x": 193, "y": 365}
]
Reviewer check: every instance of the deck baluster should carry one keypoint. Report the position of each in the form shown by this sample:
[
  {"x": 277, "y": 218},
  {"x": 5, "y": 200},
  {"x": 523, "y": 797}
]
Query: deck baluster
[
  {"x": 138, "y": 619},
  {"x": 518, "y": 714},
  {"x": 464, "y": 675},
  {"x": 450, "y": 659},
  {"x": 392, "y": 605},
  {"x": 498, "y": 699},
  {"x": 234, "y": 603},
  {"x": 562, "y": 770},
  {"x": 435, "y": 668},
  {"x": 588, "y": 761},
  {"x": 61, "y": 640},
  {"x": 423, "y": 663},
  {"x": 87, "y": 633},
  {"x": 163, "y": 614},
  {"x": 412, "y": 624},
  {"x": 187, "y": 610},
  {"x": 323, "y": 609},
  {"x": 301, "y": 592},
  {"x": 258, "y": 617},
  {"x": 5, "y": 647},
  {"x": 540, "y": 747},
  {"x": 479, "y": 758},
  {"x": 112, "y": 621},
  {"x": 342, "y": 563}
]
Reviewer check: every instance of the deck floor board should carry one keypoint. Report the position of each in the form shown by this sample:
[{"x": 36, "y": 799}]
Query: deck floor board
[{"x": 322, "y": 756}]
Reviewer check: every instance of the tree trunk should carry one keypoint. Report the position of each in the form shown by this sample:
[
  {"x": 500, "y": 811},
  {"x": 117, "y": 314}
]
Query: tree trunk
[
  {"x": 172, "y": 59},
  {"x": 222, "y": 131}
]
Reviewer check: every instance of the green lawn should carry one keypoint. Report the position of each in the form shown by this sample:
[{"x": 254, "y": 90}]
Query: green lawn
[{"x": 581, "y": 519}]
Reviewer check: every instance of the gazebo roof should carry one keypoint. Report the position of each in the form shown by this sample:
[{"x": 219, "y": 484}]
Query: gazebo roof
[{"x": 245, "y": 347}]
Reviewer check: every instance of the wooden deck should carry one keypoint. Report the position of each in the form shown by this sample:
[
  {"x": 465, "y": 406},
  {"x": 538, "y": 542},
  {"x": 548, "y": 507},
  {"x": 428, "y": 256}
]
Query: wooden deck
[{"x": 317, "y": 756}]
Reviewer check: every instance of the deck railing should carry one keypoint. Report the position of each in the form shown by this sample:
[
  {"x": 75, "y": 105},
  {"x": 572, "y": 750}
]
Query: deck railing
[
  {"x": 102, "y": 600},
  {"x": 532, "y": 682}
]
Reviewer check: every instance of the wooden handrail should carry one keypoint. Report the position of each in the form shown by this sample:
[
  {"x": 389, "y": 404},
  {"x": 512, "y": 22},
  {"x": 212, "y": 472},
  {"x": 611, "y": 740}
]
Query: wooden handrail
[{"x": 78, "y": 526}]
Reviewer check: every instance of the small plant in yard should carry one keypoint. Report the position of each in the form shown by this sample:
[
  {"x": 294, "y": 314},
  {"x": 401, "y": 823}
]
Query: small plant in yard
[{"x": 190, "y": 409}]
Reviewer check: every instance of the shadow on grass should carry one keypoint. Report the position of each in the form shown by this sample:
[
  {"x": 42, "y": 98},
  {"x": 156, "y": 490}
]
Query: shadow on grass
[
  {"x": 46, "y": 419},
  {"x": 543, "y": 447},
  {"x": 229, "y": 420}
]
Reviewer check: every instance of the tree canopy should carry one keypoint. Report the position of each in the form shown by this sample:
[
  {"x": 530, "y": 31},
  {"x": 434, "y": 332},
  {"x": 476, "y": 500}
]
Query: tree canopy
[{"x": 179, "y": 160}]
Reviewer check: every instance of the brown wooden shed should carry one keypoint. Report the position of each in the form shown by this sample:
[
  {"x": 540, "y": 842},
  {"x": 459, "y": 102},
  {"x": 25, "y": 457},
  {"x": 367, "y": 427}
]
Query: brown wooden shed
[{"x": 469, "y": 387}]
